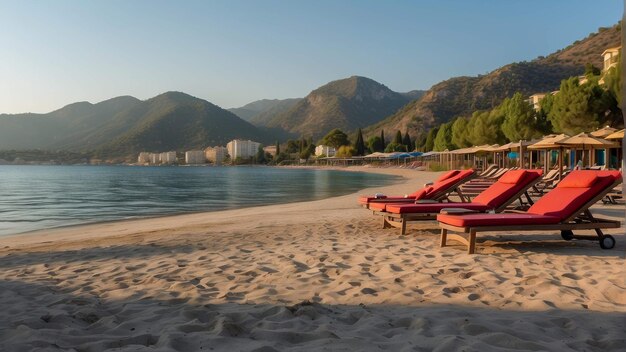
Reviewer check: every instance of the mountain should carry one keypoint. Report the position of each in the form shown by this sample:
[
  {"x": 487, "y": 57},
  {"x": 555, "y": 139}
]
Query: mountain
[
  {"x": 62, "y": 128},
  {"x": 123, "y": 126},
  {"x": 346, "y": 104},
  {"x": 260, "y": 111},
  {"x": 177, "y": 121},
  {"x": 460, "y": 96},
  {"x": 414, "y": 94}
]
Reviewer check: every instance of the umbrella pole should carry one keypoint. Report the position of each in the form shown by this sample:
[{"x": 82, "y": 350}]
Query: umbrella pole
[{"x": 560, "y": 162}]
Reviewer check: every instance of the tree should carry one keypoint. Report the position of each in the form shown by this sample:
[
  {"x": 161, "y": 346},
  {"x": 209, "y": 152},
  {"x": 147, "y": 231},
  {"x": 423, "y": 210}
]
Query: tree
[
  {"x": 277, "y": 148},
  {"x": 443, "y": 140},
  {"x": 591, "y": 70},
  {"x": 398, "y": 139},
  {"x": 345, "y": 151},
  {"x": 613, "y": 83},
  {"x": 336, "y": 138},
  {"x": 395, "y": 147},
  {"x": 419, "y": 142},
  {"x": 460, "y": 135},
  {"x": 407, "y": 142},
  {"x": 578, "y": 108},
  {"x": 545, "y": 105},
  {"x": 382, "y": 138},
  {"x": 293, "y": 146},
  {"x": 307, "y": 152},
  {"x": 430, "y": 139},
  {"x": 359, "y": 145},
  {"x": 519, "y": 119},
  {"x": 484, "y": 127},
  {"x": 259, "y": 158},
  {"x": 375, "y": 144}
]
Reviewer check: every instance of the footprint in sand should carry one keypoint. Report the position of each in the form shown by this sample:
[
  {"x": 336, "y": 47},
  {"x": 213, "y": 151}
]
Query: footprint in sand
[
  {"x": 395, "y": 268},
  {"x": 369, "y": 291}
]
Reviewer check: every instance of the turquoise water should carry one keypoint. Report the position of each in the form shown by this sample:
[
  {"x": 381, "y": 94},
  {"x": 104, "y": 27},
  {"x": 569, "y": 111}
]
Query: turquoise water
[{"x": 42, "y": 197}]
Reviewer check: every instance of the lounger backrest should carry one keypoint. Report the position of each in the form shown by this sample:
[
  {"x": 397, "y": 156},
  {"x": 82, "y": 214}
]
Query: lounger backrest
[
  {"x": 440, "y": 188},
  {"x": 507, "y": 186},
  {"x": 573, "y": 192},
  {"x": 447, "y": 175}
]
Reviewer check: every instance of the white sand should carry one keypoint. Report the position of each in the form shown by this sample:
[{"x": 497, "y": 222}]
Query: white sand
[{"x": 307, "y": 276}]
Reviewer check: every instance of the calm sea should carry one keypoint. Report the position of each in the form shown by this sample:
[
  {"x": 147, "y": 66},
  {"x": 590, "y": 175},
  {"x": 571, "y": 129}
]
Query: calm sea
[{"x": 42, "y": 197}]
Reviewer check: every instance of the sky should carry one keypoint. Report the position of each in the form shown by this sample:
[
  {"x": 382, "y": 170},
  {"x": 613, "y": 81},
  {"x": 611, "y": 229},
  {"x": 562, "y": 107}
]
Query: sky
[{"x": 232, "y": 52}]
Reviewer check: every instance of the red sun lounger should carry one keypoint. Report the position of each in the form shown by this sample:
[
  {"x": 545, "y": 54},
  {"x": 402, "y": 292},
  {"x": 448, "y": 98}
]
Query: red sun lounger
[
  {"x": 509, "y": 187},
  {"x": 440, "y": 189},
  {"x": 565, "y": 209}
]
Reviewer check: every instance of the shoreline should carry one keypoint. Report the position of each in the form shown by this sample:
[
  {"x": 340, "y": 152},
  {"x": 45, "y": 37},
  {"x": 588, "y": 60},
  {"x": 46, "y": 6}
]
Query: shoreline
[{"x": 64, "y": 232}]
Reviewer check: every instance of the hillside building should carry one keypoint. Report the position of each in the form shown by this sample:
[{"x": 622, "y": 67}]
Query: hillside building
[
  {"x": 168, "y": 158},
  {"x": 325, "y": 150},
  {"x": 535, "y": 99},
  {"x": 195, "y": 157},
  {"x": 216, "y": 155},
  {"x": 610, "y": 57},
  {"x": 242, "y": 149}
]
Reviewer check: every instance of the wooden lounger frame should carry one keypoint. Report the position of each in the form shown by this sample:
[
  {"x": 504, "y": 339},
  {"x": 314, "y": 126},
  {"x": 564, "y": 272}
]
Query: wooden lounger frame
[
  {"x": 582, "y": 219},
  {"x": 400, "y": 220}
]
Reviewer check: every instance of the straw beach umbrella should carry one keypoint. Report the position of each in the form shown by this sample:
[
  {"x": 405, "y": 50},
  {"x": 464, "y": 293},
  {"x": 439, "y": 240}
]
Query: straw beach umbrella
[
  {"x": 603, "y": 132},
  {"x": 583, "y": 140},
  {"x": 551, "y": 142},
  {"x": 616, "y": 135}
]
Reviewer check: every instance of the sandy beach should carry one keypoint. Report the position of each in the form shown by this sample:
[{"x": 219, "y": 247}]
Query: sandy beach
[{"x": 319, "y": 275}]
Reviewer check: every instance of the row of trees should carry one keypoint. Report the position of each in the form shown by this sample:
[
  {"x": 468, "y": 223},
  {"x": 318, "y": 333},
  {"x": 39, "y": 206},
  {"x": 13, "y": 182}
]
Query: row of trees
[{"x": 575, "y": 108}]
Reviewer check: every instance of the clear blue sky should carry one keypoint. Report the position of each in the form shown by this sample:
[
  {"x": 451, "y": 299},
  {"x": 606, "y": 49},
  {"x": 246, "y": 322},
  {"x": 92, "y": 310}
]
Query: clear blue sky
[{"x": 233, "y": 52}]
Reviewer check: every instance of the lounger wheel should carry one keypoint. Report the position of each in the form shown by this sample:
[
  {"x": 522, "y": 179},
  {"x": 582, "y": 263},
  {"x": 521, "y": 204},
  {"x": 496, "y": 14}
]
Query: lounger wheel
[
  {"x": 607, "y": 242},
  {"x": 567, "y": 235}
]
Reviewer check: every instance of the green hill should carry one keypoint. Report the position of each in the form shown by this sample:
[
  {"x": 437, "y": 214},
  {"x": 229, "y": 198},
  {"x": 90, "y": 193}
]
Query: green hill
[{"x": 261, "y": 111}]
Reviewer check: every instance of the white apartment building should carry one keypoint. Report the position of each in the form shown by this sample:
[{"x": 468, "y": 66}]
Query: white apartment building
[
  {"x": 168, "y": 158},
  {"x": 325, "y": 150},
  {"x": 242, "y": 149},
  {"x": 155, "y": 158},
  {"x": 144, "y": 158},
  {"x": 195, "y": 157},
  {"x": 535, "y": 99},
  {"x": 216, "y": 154}
]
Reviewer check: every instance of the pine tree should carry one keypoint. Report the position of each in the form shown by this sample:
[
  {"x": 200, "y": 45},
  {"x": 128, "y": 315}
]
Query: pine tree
[
  {"x": 443, "y": 140},
  {"x": 382, "y": 139},
  {"x": 519, "y": 119},
  {"x": 277, "y": 148},
  {"x": 460, "y": 133},
  {"x": 398, "y": 139},
  {"x": 359, "y": 145},
  {"x": 430, "y": 139},
  {"x": 575, "y": 107},
  {"x": 407, "y": 142}
]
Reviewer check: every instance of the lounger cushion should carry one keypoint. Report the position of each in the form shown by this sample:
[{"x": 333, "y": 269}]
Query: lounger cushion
[
  {"x": 582, "y": 180},
  {"x": 447, "y": 175},
  {"x": 565, "y": 200},
  {"x": 498, "y": 193},
  {"x": 513, "y": 176},
  {"x": 431, "y": 208},
  {"x": 477, "y": 220}
]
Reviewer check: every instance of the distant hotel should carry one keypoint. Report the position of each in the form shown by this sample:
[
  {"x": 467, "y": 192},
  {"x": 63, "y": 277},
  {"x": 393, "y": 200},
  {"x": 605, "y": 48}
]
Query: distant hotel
[
  {"x": 146, "y": 158},
  {"x": 242, "y": 149},
  {"x": 195, "y": 157},
  {"x": 215, "y": 155}
]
